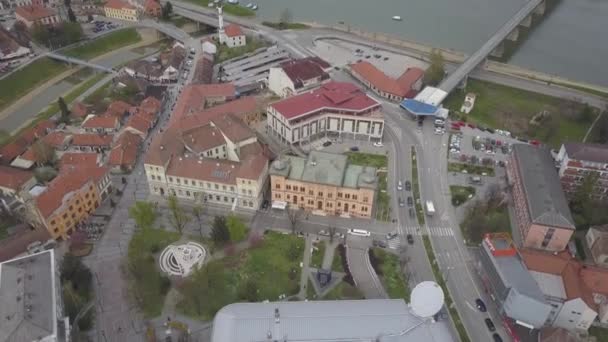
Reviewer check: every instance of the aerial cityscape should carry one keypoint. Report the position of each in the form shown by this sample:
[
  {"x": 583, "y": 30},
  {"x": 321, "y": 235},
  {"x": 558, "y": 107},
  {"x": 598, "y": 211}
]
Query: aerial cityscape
[{"x": 280, "y": 171}]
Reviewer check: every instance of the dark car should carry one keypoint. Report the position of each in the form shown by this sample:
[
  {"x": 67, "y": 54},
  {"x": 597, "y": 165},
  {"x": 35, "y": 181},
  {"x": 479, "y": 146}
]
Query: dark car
[
  {"x": 411, "y": 212},
  {"x": 377, "y": 56},
  {"x": 386, "y": 58},
  {"x": 408, "y": 185},
  {"x": 410, "y": 201},
  {"x": 490, "y": 324},
  {"x": 480, "y": 305},
  {"x": 327, "y": 143},
  {"x": 379, "y": 243},
  {"x": 354, "y": 148},
  {"x": 401, "y": 202},
  {"x": 491, "y": 130},
  {"x": 410, "y": 239},
  {"x": 497, "y": 338},
  {"x": 391, "y": 235}
]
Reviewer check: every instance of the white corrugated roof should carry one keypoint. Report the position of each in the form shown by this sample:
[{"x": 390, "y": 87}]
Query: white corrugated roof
[{"x": 431, "y": 95}]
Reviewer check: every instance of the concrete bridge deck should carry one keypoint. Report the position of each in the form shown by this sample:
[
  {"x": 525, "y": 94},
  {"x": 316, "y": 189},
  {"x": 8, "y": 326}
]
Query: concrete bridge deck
[
  {"x": 73, "y": 60},
  {"x": 486, "y": 49}
]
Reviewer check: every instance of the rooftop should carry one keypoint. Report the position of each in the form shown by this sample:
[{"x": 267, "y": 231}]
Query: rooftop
[
  {"x": 595, "y": 153},
  {"x": 119, "y": 4},
  {"x": 381, "y": 320},
  {"x": 546, "y": 201},
  {"x": 92, "y": 139},
  {"x": 340, "y": 96},
  {"x": 325, "y": 168},
  {"x": 94, "y": 121},
  {"x": 193, "y": 98},
  {"x": 233, "y": 30},
  {"x": 401, "y": 86},
  {"x": 124, "y": 151},
  {"x": 302, "y": 70},
  {"x": 34, "y": 12},
  {"x": 13, "y": 178},
  {"x": 79, "y": 158},
  {"x": 418, "y": 108},
  {"x": 27, "y": 298}
]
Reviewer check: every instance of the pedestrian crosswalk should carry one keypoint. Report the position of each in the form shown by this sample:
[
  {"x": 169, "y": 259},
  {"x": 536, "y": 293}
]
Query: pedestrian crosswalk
[
  {"x": 393, "y": 243},
  {"x": 434, "y": 231}
]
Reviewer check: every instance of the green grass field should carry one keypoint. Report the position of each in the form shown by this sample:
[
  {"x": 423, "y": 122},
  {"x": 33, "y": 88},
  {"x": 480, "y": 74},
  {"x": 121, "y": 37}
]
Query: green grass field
[
  {"x": 225, "y": 53},
  {"x": 460, "y": 194},
  {"x": 287, "y": 26},
  {"x": 379, "y": 161},
  {"x": 512, "y": 109},
  {"x": 26, "y": 79},
  {"x": 416, "y": 188},
  {"x": 107, "y": 43},
  {"x": 471, "y": 169},
  {"x": 318, "y": 252},
  {"x": 264, "y": 272},
  {"x": 391, "y": 276},
  {"x": 367, "y": 159}
]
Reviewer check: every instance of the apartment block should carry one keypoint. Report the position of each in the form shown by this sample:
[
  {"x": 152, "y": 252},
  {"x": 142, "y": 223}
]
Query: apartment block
[
  {"x": 323, "y": 184},
  {"x": 542, "y": 215},
  {"x": 577, "y": 161},
  {"x": 335, "y": 109}
]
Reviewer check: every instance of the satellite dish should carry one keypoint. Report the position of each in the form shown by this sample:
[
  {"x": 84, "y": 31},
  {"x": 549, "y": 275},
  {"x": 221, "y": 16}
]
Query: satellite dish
[{"x": 427, "y": 299}]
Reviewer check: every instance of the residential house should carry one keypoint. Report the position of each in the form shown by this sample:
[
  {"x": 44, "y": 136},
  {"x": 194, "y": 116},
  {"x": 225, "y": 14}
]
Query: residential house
[
  {"x": 203, "y": 71},
  {"x": 71, "y": 197},
  {"x": 153, "y": 8},
  {"x": 296, "y": 76},
  {"x": 37, "y": 14},
  {"x": 247, "y": 108},
  {"x": 58, "y": 140},
  {"x": 79, "y": 110},
  {"x": 119, "y": 109},
  {"x": 32, "y": 304},
  {"x": 197, "y": 97},
  {"x": 597, "y": 241},
  {"x": 91, "y": 142},
  {"x": 82, "y": 159},
  {"x": 323, "y": 184},
  {"x": 101, "y": 124},
  {"x": 233, "y": 36},
  {"x": 124, "y": 152},
  {"x": 122, "y": 10},
  {"x": 10, "y": 48},
  {"x": 405, "y": 86},
  {"x": 577, "y": 161},
  {"x": 146, "y": 69},
  {"x": 541, "y": 211},
  {"x": 19, "y": 238},
  {"x": 14, "y": 185},
  {"x": 172, "y": 61},
  {"x": 334, "y": 109}
]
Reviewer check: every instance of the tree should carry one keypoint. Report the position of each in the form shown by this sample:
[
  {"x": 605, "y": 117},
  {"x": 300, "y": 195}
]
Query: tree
[
  {"x": 237, "y": 228},
  {"x": 178, "y": 217},
  {"x": 166, "y": 10},
  {"x": 90, "y": 18},
  {"x": 71, "y": 15},
  {"x": 219, "y": 230},
  {"x": 63, "y": 108},
  {"x": 249, "y": 292},
  {"x": 332, "y": 233},
  {"x": 294, "y": 216},
  {"x": 67, "y": 3},
  {"x": 43, "y": 153},
  {"x": 143, "y": 213},
  {"x": 286, "y": 17},
  {"x": 435, "y": 72},
  {"x": 72, "y": 269},
  {"x": 70, "y": 32},
  {"x": 41, "y": 34},
  {"x": 197, "y": 213}
]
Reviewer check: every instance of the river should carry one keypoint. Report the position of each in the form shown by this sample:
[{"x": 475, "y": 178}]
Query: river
[{"x": 571, "y": 42}]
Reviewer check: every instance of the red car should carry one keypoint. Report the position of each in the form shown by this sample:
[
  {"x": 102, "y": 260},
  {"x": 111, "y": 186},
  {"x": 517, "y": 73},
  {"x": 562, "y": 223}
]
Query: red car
[
  {"x": 471, "y": 126},
  {"x": 460, "y": 123},
  {"x": 455, "y": 127},
  {"x": 535, "y": 142}
]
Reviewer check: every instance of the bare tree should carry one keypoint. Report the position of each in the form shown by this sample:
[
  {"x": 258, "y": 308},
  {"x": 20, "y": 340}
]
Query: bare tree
[
  {"x": 332, "y": 233},
  {"x": 197, "y": 212},
  {"x": 43, "y": 152},
  {"x": 494, "y": 196},
  {"x": 294, "y": 216},
  {"x": 178, "y": 217}
]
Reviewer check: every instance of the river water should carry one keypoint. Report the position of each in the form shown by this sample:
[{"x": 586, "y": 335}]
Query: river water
[{"x": 571, "y": 42}]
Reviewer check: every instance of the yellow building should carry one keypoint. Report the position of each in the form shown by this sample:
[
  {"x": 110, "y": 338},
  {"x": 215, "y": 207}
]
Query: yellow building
[
  {"x": 323, "y": 184},
  {"x": 70, "y": 198},
  {"x": 120, "y": 10}
]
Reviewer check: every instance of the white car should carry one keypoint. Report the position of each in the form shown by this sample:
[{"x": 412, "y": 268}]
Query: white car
[
  {"x": 439, "y": 131},
  {"x": 378, "y": 144},
  {"x": 498, "y": 131}
]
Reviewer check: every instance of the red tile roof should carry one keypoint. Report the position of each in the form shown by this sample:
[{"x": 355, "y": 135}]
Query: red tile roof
[
  {"x": 233, "y": 30},
  {"x": 239, "y": 107},
  {"x": 79, "y": 110},
  {"x": 103, "y": 122},
  {"x": 55, "y": 139},
  {"x": 333, "y": 95},
  {"x": 118, "y": 109},
  {"x": 85, "y": 159},
  {"x": 13, "y": 178},
  {"x": 38, "y": 131},
  {"x": 124, "y": 152},
  {"x": 139, "y": 123},
  {"x": 409, "y": 77},
  {"x": 150, "y": 105},
  {"x": 402, "y": 86},
  {"x": 118, "y": 4},
  {"x": 92, "y": 139},
  {"x": 152, "y": 7},
  {"x": 18, "y": 242},
  {"x": 29, "y": 154},
  {"x": 13, "y": 150},
  {"x": 305, "y": 69},
  {"x": 34, "y": 12},
  {"x": 194, "y": 96}
]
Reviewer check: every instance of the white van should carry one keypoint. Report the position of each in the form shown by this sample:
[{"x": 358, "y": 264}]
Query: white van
[{"x": 359, "y": 232}]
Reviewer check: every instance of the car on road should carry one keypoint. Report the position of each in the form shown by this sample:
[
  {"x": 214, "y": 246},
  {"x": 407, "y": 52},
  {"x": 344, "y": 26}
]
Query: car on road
[
  {"x": 379, "y": 243},
  {"x": 401, "y": 202},
  {"x": 377, "y": 56},
  {"x": 399, "y": 185},
  {"x": 490, "y": 324},
  {"x": 411, "y": 212},
  {"x": 410, "y": 201},
  {"x": 410, "y": 239},
  {"x": 354, "y": 148},
  {"x": 359, "y": 232},
  {"x": 386, "y": 58},
  {"x": 408, "y": 185},
  {"x": 323, "y": 233},
  {"x": 497, "y": 338},
  {"x": 391, "y": 235},
  {"x": 481, "y": 306},
  {"x": 439, "y": 131},
  {"x": 378, "y": 144},
  {"x": 327, "y": 143}
]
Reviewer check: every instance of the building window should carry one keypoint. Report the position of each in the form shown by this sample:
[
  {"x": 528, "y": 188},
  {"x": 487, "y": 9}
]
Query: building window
[
  {"x": 178, "y": 180},
  {"x": 330, "y": 195},
  {"x": 188, "y": 193},
  {"x": 185, "y": 181},
  {"x": 365, "y": 199},
  {"x": 217, "y": 197},
  {"x": 288, "y": 196},
  {"x": 232, "y": 188},
  {"x": 277, "y": 186},
  {"x": 217, "y": 187},
  {"x": 278, "y": 196},
  {"x": 225, "y": 199},
  {"x": 171, "y": 179},
  {"x": 355, "y": 197},
  {"x": 302, "y": 189},
  {"x": 347, "y": 196},
  {"x": 320, "y": 193},
  {"x": 310, "y": 192},
  {"x": 288, "y": 187},
  {"x": 339, "y": 195}
]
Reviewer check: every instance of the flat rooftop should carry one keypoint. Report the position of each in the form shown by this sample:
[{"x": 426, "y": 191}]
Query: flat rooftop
[{"x": 382, "y": 320}]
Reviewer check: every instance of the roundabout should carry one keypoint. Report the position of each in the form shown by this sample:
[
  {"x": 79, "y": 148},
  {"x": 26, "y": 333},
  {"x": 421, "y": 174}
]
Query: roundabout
[{"x": 182, "y": 260}]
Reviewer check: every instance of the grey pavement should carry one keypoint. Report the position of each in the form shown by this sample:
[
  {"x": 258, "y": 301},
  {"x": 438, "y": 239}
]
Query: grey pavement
[
  {"x": 363, "y": 273},
  {"x": 330, "y": 251},
  {"x": 304, "y": 274}
]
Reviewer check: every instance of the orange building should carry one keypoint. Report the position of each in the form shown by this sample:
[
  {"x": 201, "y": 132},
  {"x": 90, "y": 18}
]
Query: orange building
[
  {"x": 323, "y": 184},
  {"x": 70, "y": 198}
]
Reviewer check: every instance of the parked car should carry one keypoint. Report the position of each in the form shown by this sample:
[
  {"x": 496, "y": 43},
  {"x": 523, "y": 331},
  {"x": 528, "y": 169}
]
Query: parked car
[
  {"x": 354, "y": 148},
  {"x": 411, "y": 212},
  {"x": 408, "y": 185},
  {"x": 379, "y": 243},
  {"x": 401, "y": 202},
  {"x": 497, "y": 338},
  {"x": 490, "y": 325},
  {"x": 378, "y": 144},
  {"x": 410, "y": 239},
  {"x": 327, "y": 143},
  {"x": 481, "y": 306},
  {"x": 410, "y": 201},
  {"x": 399, "y": 185},
  {"x": 391, "y": 235},
  {"x": 323, "y": 233}
]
